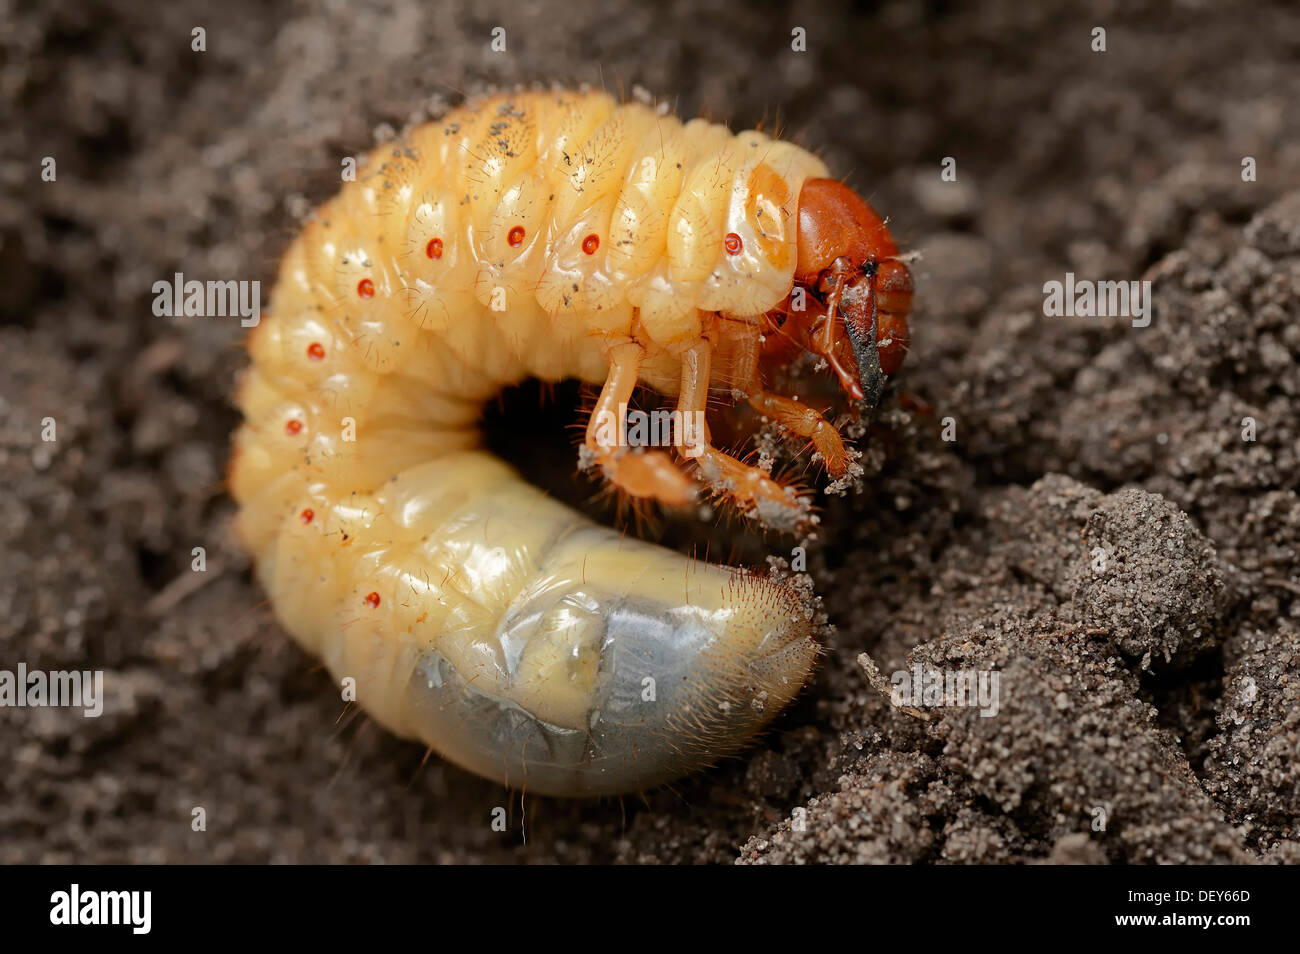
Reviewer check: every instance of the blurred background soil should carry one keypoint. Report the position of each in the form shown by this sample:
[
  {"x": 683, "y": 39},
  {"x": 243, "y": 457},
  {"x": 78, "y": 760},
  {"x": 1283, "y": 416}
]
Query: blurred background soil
[{"x": 1161, "y": 697}]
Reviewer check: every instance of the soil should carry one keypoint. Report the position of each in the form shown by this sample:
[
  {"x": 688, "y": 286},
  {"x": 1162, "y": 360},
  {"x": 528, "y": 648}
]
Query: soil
[{"x": 1149, "y": 708}]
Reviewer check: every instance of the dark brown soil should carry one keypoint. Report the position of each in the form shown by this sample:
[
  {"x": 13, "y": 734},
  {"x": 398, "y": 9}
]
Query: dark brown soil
[{"x": 1161, "y": 696}]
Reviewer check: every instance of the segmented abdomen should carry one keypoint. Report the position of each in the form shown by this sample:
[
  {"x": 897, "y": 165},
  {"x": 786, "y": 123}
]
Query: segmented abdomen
[{"x": 517, "y": 237}]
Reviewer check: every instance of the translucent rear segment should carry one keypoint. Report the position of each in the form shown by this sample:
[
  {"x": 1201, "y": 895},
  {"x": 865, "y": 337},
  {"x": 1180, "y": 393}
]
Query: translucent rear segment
[{"x": 615, "y": 687}]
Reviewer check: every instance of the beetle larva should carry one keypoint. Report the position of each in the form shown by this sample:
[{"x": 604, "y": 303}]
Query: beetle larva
[{"x": 553, "y": 235}]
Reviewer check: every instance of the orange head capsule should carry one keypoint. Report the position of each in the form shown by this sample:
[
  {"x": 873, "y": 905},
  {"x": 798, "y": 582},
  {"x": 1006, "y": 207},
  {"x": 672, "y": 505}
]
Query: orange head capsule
[{"x": 849, "y": 261}]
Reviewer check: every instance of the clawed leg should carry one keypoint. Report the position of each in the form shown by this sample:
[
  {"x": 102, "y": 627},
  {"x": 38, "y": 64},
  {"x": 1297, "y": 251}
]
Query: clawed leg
[
  {"x": 750, "y": 488},
  {"x": 827, "y": 341},
  {"x": 800, "y": 419},
  {"x": 651, "y": 473},
  {"x": 791, "y": 413}
]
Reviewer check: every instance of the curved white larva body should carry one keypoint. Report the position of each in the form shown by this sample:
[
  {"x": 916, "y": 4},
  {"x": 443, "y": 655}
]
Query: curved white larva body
[{"x": 506, "y": 631}]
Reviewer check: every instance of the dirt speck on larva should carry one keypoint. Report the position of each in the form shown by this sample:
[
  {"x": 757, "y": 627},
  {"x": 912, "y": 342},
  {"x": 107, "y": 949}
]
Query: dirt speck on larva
[{"x": 1154, "y": 687}]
